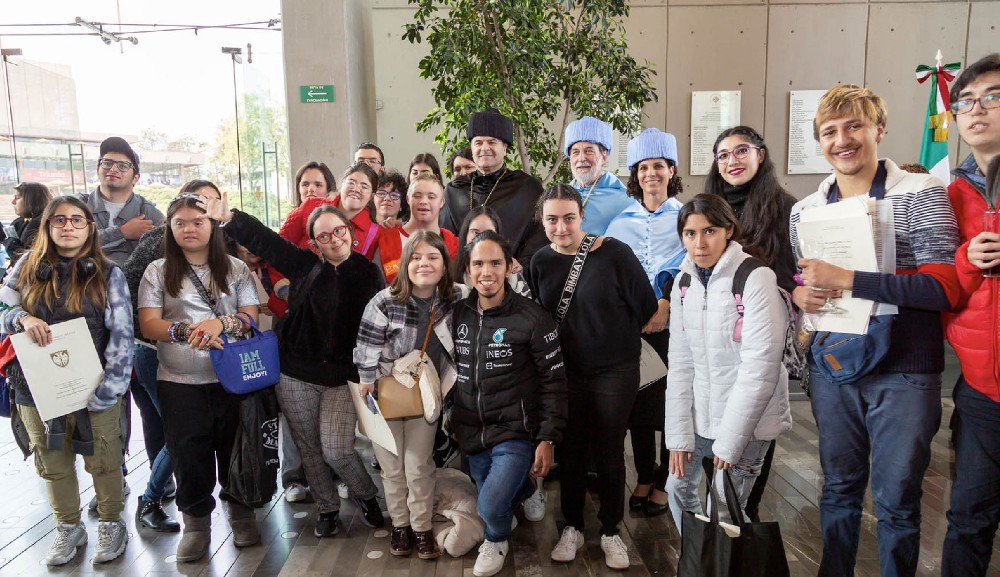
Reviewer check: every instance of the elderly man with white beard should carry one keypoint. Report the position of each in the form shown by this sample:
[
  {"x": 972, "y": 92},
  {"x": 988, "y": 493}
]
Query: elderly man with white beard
[{"x": 588, "y": 143}]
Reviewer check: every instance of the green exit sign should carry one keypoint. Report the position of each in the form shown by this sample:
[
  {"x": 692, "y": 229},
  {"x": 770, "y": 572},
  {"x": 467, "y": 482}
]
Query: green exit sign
[{"x": 316, "y": 93}]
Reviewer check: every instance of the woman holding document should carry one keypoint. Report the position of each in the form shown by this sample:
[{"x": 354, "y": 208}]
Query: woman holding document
[
  {"x": 187, "y": 300},
  {"x": 412, "y": 314},
  {"x": 65, "y": 276}
]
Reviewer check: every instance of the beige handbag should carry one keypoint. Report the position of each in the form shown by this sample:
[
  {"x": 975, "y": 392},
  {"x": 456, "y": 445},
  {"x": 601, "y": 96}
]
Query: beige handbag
[{"x": 399, "y": 393}]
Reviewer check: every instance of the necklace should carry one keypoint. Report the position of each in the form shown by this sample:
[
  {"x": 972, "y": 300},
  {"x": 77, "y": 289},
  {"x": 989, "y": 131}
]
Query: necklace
[
  {"x": 197, "y": 265},
  {"x": 492, "y": 190},
  {"x": 589, "y": 192}
]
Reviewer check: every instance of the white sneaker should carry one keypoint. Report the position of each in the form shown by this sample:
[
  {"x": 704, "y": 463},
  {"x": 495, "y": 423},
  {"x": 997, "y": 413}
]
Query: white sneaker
[
  {"x": 68, "y": 538},
  {"x": 342, "y": 490},
  {"x": 295, "y": 493},
  {"x": 534, "y": 506},
  {"x": 491, "y": 558},
  {"x": 570, "y": 542},
  {"x": 112, "y": 536},
  {"x": 615, "y": 552}
]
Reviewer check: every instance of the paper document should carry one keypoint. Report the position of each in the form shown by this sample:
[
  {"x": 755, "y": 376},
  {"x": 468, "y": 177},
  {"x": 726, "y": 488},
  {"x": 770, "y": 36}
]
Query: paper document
[
  {"x": 651, "y": 367},
  {"x": 846, "y": 242},
  {"x": 371, "y": 425},
  {"x": 63, "y": 375}
]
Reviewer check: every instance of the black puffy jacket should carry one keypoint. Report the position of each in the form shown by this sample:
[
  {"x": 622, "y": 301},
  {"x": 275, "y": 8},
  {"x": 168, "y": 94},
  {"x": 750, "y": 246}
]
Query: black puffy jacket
[{"x": 511, "y": 382}]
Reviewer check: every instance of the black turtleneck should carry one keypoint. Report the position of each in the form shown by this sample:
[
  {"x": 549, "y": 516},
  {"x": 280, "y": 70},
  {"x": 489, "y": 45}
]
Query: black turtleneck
[{"x": 737, "y": 196}]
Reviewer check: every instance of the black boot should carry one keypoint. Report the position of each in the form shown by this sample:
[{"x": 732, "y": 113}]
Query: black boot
[{"x": 150, "y": 514}]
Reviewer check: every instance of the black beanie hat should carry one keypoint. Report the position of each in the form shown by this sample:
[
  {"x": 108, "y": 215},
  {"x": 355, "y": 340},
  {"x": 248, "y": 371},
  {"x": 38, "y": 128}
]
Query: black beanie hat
[
  {"x": 118, "y": 144},
  {"x": 490, "y": 122}
]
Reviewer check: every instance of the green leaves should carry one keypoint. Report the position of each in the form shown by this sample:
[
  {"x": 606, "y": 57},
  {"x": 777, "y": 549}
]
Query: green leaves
[{"x": 541, "y": 62}]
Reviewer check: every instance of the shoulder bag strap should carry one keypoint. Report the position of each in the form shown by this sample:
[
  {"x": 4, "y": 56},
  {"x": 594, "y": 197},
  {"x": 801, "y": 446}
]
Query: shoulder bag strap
[
  {"x": 430, "y": 327},
  {"x": 202, "y": 290},
  {"x": 575, "y": 270},
  {"x": 372, "y": 231}
]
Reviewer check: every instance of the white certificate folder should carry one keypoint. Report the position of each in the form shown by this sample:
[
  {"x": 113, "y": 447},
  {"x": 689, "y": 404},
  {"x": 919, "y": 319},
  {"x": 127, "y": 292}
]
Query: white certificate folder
[{"x": 63, "y": 375}]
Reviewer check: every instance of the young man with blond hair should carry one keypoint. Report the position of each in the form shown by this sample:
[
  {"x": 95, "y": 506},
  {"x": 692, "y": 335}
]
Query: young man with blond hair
[{"x": 881, "y": 422}]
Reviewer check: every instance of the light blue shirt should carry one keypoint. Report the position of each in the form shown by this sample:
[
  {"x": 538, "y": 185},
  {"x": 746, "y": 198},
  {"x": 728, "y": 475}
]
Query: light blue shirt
[
  {"x": 653, "y": 238},
  {"x": 602, "y": 203}
]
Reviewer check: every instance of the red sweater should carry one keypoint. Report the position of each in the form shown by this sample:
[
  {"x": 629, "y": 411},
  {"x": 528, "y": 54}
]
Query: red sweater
[
  {"x": 972, "y": 329},
  {"x": 294, "y": 228},
  {"x": 390, "y": 249}
]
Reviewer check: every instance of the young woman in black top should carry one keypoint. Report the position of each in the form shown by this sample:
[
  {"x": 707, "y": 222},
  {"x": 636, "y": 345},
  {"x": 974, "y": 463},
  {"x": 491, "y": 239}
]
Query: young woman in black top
[
  {"x": 316, "y": 348},
  {"x": 600, "y": 338},
  {"x": 744, "y": 175}
]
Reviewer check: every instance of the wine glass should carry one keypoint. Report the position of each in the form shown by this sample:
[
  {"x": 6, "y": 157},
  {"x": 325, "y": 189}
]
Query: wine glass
[{"x": 814, "y": 250}]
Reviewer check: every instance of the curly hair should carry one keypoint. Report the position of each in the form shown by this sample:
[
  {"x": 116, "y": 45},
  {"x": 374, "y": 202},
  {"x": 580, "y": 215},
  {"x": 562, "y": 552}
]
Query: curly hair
[{"x": 674, "y": 187}]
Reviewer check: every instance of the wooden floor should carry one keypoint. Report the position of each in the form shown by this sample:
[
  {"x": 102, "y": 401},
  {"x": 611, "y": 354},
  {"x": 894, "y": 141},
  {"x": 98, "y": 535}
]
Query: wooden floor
[{"x": 289, "y": 548}]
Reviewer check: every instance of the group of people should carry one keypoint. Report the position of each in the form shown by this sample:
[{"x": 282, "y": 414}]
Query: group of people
[{"x": 534, "y": 307}]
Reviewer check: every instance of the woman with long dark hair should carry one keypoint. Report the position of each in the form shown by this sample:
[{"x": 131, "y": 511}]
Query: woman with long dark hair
[
  {"x": 743, "y": 174},
  {"x": 30, "y": 200},
  {"x": 419, "y": 303},
  {"x": 649, "y": 227},
  {"x": 66, "y": 276},
  {"x": 612, "y": 299},
  {"x": 180, "y": 297},
  {"x": 482, "y": 218},
  {"x": 317, "y": 335}
]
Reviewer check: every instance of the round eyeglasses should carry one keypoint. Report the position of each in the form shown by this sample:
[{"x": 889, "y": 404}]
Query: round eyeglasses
[
  {"x": 326, "y": 237},
  {"x": 739, "y": 153}
]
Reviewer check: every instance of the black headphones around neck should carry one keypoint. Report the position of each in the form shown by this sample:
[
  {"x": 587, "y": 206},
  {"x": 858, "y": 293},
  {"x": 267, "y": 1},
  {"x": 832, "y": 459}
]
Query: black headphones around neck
[{"x": 85, "y": 268}]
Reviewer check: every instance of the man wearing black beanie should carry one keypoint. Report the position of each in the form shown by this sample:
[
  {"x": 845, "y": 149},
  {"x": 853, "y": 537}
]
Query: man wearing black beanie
[{"x": 511, "y": 193}]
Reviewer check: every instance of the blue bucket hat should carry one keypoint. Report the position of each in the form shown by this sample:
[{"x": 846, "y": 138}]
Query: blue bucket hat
[
  {"x": 589, "y": 129},
  {"x": 652, "y": 143}
]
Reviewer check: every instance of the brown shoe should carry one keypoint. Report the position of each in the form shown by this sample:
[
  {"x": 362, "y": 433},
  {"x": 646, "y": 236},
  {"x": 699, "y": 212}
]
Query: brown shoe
[
  {"x": 427, "y": 547},
  {"x": 401, "y": 542}
]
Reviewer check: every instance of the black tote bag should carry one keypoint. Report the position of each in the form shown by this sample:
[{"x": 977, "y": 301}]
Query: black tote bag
[{"x": 707, "y": 550}]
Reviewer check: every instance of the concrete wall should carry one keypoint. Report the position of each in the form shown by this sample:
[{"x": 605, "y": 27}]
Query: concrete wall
[{"x": 765, "y": 48}]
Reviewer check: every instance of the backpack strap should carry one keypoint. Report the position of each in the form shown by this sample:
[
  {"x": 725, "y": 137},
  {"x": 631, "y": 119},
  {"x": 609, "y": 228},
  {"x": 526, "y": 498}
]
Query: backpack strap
[
  {"x": 739, "y": 283},
  {"x": 685, "y": 284}
]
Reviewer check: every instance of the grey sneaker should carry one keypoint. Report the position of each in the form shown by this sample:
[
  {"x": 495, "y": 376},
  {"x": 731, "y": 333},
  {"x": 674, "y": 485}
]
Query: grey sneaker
[
  {"x": 126, "y": 491},
  {"x": 111, "y": 540},
  {"x": 68, "y": 538}
]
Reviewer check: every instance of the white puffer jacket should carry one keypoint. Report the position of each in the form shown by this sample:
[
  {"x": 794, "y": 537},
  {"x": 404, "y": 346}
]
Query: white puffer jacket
[{"x": 718, "y": 388}]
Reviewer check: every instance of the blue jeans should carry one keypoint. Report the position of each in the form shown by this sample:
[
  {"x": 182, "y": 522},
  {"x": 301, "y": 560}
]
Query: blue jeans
[
  {"x": 145, "y": 364},
  {"x": 890, "y": 418},
  {"x": 975, "y": 495},
  {"x": 501, "y": 476},
  {"x": 683, "y": 492}
]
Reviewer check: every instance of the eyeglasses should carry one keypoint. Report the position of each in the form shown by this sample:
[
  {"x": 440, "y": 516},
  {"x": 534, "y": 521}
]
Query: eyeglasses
[
  {"x": 370, "y": 160},
  {"x": 740, "y": 152},
  {"x": 965, "y": 105},
  {"x": 394, "y": 196},
  {"x": 350, "y": 182},
  {"x": 76, "y": 220},
  {"x": 121, "y": 165},
  {"x": 325, "y": 237}
]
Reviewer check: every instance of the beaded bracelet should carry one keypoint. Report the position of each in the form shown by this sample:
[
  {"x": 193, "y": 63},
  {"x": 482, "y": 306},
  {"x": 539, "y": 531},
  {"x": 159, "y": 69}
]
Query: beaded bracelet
[{"x": 172, "y": 331}]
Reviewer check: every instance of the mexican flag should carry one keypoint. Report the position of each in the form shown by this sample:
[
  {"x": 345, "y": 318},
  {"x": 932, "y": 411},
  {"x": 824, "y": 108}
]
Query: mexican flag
[{"x": 934, "y": 148}]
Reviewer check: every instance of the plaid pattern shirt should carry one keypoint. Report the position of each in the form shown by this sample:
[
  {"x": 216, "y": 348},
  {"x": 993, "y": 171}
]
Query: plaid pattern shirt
[{"x": 389, "y": 331}]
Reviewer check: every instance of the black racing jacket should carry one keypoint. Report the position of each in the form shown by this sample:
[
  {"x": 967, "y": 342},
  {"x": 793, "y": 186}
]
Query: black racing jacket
[{"x": 511, "y": 381}]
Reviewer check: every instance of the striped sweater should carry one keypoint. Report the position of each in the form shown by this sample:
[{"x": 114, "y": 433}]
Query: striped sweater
[{"x": 925, "y": 282}]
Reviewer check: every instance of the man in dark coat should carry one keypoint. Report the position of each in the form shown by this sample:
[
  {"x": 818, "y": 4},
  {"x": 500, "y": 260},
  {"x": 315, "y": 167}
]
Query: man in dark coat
[{"x": 510, "y": 192}]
